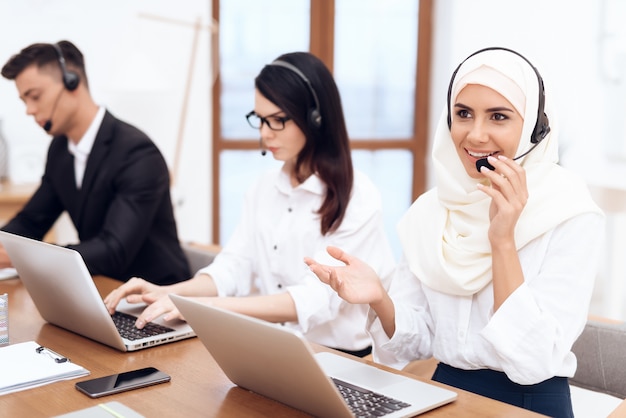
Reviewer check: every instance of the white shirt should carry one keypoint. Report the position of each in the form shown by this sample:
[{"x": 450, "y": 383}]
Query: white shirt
[
  {"x": 279, "y": 227},
  {"x": 82, "y": 150},
  {"x": 529, "y": 337}
]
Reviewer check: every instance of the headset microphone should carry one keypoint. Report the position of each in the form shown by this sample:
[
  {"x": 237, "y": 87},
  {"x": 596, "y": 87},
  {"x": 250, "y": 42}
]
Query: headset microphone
[
  {"x": 484, "y": 163},
  {"x": 48, "y": 125},
  {"x": 263, "y": 150},
  {"x": 70, "y": 79}
]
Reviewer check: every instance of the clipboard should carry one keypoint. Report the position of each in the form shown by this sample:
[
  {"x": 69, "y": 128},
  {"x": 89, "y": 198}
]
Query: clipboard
[
  {"x": 27, "y": 365},
  {"x": 104, "y": 410}
]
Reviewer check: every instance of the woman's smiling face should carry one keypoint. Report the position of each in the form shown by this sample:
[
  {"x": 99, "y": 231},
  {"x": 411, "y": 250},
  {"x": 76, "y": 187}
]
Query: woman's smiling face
[{"x": 484, "y": 123}]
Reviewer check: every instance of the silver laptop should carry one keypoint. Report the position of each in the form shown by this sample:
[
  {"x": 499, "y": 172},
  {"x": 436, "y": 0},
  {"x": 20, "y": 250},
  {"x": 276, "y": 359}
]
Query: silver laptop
[
  {"x": 63, "y": 291},
  {"x": 278, "y": 363}
]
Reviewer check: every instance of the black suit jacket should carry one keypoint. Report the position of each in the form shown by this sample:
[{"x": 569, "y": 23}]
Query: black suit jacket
[{"x": 123, "y": 212}]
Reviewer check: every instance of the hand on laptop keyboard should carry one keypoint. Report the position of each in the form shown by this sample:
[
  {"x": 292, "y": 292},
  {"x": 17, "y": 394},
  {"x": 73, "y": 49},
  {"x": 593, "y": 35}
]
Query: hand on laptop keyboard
[{"x": 125, "y": 324}]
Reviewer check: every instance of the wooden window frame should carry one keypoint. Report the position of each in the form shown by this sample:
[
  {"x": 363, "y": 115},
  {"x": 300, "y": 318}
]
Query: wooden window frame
[{"x": 322, "y": 45}]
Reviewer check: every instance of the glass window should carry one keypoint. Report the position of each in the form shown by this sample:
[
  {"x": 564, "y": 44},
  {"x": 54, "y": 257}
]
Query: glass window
[
  {"x": 613, "y": 70},
  {"x": 253, "y": 33},
  {"x": 391, "y": 172},
  {"x": 374, "y": 55},
  {"x": 375, "y": 66},
  {"x": 238, "y": 170}
]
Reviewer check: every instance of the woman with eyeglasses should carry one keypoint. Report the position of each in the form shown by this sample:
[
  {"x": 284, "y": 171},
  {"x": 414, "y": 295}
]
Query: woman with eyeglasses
[{"x": 315, "y": 200}]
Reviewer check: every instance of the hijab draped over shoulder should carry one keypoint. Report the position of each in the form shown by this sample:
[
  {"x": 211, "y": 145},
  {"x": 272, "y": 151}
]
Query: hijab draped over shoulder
[{"x": 444, "y": 233}]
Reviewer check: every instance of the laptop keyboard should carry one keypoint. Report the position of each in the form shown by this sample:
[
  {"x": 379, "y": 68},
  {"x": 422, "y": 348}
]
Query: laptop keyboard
[
  {"x": 125, "y": 324},
  {"x": 365, "y": 403}
]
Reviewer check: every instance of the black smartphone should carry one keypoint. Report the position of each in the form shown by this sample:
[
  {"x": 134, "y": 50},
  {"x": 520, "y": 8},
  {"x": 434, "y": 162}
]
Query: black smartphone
[{"x": 121, "y": 382}]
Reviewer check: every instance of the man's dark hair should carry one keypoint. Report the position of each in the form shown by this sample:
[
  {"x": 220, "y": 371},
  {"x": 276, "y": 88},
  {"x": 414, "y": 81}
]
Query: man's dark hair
[{"x": 44, "y": 55}]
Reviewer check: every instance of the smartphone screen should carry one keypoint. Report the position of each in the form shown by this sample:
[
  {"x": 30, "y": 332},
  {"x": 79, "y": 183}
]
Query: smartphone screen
[{"x": 121, "y": 382}]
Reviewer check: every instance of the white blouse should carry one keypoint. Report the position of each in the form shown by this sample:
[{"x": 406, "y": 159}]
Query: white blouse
[
  {"x": 279, "y": 227},
  {"x": 529, "y": 337}
]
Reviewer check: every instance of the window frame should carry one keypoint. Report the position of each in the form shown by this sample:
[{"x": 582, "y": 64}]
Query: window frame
[{"x": 322, "y": 38}]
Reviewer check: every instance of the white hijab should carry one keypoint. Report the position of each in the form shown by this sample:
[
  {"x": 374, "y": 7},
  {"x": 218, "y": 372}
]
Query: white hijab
[{"x": 444, "y": 233}]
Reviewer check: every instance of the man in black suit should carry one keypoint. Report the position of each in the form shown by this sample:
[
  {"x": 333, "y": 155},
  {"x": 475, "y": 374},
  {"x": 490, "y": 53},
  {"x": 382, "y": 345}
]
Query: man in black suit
[{"x": 110, "y": 177}]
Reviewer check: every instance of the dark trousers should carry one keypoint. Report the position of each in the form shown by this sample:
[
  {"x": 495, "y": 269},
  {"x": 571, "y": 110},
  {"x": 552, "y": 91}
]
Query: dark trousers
[
  {"x": 358, "y": 353},
  {"x": 550, "y": 397}
]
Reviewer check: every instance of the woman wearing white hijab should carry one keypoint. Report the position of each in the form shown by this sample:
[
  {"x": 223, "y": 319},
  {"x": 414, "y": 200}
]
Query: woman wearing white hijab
[{"x": 499, "y": 264}]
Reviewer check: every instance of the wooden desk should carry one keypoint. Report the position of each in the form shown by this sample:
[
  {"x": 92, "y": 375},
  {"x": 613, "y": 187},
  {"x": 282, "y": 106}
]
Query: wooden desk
[
  {"x": 12, "y": 198},
  {"x": 198, "y": 386}
]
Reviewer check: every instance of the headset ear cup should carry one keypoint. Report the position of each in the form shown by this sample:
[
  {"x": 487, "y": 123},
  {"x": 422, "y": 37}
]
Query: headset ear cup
[
  {"x": 315, "y": 118},
  {"x": 71, "y": 80},
  {"x": 543, "y": 129}
]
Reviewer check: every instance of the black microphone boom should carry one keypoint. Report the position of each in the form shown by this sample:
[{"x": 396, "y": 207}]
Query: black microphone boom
[
  {"x": 263, "y": 150},
  {"x": 484, "y": 163},
  {"x": 48, "y": 125}
]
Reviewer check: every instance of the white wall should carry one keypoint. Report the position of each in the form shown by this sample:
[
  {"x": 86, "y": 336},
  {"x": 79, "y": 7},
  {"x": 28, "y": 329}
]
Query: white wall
[
  {"x": 579, "y": 47},
  {"x": 137, "y": 65}
]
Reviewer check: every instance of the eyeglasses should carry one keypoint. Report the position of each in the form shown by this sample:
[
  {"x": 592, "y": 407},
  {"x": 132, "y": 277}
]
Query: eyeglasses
[{"x": 275, "y": 123}]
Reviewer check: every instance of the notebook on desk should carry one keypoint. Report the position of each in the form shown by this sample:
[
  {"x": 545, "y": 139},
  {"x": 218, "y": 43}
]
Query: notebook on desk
[
  {"x": 65, "y": 295},
  {"x": 278, "y": 363}
]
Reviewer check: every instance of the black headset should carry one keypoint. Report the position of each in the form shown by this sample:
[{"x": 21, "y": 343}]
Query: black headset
[
  {"x": 542, "y": 126},
  {"x": 315, "y": 117},
  {"x": 71, "y": 79}
]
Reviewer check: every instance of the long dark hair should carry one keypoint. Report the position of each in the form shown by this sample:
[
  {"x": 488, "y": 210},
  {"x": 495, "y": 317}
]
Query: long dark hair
[{"x": 327, "y": 149}]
